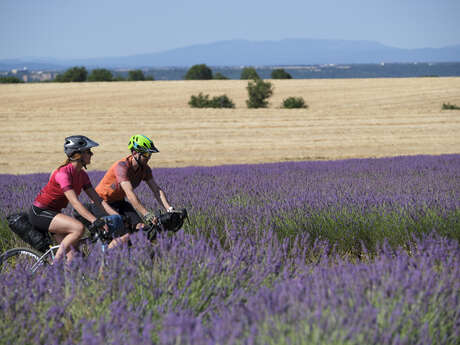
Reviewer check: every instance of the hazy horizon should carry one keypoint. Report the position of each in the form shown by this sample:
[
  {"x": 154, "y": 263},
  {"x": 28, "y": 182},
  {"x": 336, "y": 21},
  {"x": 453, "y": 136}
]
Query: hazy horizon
[{"x": 50, "y": 58}]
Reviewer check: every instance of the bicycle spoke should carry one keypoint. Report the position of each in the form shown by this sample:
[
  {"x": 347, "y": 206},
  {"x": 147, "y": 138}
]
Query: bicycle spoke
[{"x": 23, "y": 260}]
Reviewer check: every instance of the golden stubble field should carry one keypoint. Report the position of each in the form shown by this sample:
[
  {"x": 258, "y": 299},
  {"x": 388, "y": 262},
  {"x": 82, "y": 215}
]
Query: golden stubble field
[{"x": 346, "y": 118}]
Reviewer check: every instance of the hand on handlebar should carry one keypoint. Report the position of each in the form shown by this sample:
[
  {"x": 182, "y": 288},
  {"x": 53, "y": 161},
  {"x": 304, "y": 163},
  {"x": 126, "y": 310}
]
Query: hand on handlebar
[
  {"x": 150, "y": 219},
  {"x": 99, "y": 229},
  {"x": 99, "y": 223},
  {"x": 107, "y": 227}
]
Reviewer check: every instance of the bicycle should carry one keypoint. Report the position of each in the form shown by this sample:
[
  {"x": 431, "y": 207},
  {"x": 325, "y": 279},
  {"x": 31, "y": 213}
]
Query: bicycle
[{"x": 31, "y": 259}]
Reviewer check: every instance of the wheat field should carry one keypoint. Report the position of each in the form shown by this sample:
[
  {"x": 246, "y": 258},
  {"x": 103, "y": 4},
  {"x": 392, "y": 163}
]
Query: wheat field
[{"x": 346, "y": 118}]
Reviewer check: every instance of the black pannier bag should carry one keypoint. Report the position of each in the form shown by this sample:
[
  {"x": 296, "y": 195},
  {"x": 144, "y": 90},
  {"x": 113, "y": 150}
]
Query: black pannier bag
[
  {"x": 172, "y": 221},
  {"x": 20, "y": 225}
]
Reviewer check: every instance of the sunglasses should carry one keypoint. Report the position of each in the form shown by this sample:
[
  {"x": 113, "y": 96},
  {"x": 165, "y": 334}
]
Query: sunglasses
[
  {"x": 146, "y": 154},
  {"x": 89, "y": 152}
]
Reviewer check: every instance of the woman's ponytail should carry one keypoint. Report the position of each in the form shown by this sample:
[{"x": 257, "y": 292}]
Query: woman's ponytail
[{"x": 75, "y": 156}]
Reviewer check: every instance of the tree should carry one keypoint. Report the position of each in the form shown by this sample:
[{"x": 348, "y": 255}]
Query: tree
[
  {"x": 74, "y": 74},
  {"x": 280, "y": 73},
  {"x": 119, "y": 78},
  {"x": 10, "y": 80},
  {"x": 249, "y": 73},
  {"x": 258, "y": 92},
  {"x": 199, "y": 72},
  {"x": 220, "y": 76},
  {"x": 136, "y": 75},
  {"x": 100, "y": 74}
]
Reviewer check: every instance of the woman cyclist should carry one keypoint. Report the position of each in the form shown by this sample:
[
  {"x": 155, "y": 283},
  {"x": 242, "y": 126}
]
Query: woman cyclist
[
  {"x": 64, "y": 186},
  {"x": 124, "y": 176}
]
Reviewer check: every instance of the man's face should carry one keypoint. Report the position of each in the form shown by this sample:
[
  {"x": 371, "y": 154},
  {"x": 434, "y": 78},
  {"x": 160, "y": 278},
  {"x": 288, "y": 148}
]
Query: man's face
[{"x": 144, "y": 157}]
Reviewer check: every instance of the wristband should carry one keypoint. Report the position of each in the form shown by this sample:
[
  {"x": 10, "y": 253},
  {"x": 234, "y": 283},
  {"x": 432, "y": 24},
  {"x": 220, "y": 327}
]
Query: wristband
[{"x": 170, "y": 209}]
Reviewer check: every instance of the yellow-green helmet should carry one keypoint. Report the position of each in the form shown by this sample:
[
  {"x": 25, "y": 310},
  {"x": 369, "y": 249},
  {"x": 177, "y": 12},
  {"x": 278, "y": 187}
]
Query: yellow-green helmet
[{"x": 140, "y": 143}]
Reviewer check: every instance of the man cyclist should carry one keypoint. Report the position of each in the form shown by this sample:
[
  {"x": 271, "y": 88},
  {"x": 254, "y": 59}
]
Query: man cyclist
[{"x": 124, "y": 176}]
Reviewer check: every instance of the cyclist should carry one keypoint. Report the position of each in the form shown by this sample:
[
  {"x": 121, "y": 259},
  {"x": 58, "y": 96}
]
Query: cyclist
[
  {"x": 124, "y": 176},
  {"x": 64, "y": 186}
]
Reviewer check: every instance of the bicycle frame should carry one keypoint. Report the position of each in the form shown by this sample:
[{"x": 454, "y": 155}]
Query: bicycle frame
[
  {"x": 96, "y": 236},
  {"x": 49, "y": 256},
  {"x": 50, "y": 252}
]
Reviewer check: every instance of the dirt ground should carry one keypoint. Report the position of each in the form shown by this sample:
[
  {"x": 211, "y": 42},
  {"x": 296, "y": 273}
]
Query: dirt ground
[{"x": 346, "y": 118}]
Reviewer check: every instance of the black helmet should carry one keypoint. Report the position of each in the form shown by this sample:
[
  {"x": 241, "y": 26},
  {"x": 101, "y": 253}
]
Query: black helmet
[{"x": 77, "y": 143}]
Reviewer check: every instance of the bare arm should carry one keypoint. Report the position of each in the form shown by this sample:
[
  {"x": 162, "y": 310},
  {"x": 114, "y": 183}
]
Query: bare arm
[
  {"x": 78, "y": 206},
  {"x": 158, "y": 193},
  {"x": 99, "y": 202},
  {"x": 132, "y": 198}
]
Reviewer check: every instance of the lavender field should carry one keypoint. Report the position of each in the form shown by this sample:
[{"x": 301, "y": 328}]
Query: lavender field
[{"x": 345, "y": 252}]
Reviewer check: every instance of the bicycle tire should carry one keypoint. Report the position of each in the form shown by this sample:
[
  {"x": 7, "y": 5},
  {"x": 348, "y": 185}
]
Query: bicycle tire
[{"x": 25, "y": 259}]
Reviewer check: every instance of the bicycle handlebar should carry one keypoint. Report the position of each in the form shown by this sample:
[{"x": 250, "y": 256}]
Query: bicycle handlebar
[
  {"x": 97, "y": 231},
  {"x": 170, "y": 221}
]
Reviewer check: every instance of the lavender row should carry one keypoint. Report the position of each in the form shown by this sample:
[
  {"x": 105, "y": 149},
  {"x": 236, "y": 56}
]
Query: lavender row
[
  {"x": 188, "y": 289},
  {"x": 345, "y": 202},
  {"x": 420, "y": 181}
]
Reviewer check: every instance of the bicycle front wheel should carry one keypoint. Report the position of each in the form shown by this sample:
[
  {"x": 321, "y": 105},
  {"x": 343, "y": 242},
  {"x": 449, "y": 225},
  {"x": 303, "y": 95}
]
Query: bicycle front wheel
[{"x": 24, "y": 259}]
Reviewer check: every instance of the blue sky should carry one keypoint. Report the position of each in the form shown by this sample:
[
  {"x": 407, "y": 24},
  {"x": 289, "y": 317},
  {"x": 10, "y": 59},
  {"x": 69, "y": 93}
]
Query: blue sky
[{"x": 99, "y": 28}]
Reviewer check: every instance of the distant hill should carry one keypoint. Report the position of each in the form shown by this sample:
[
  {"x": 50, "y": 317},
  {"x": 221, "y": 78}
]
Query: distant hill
[
  {"x": 31, "y": 64},
  {"x": 259, "y": 53}
]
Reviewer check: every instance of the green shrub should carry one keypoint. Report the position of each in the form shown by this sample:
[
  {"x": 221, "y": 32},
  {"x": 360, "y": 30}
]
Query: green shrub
[
  {"x": 220, "y": 76},
  {"x": 203, "y": 101},
  {"x": 10, "y": 80},
  {"x": 200, "y": 101},
  {"x": 249, "y": 73},
  {"x": 136, "y": 75},
  {"x": 222, "y": 102},
  {"x": 448, "y": 106},
  {"x": 294, "y": 102},
  {"x": 74, "y": 74},
  {"x": 280, "y": 74},
  {"x": 258, "y": 91},
  {"x": 100, "y": 74},
  {"x": 199, "y": 72}
]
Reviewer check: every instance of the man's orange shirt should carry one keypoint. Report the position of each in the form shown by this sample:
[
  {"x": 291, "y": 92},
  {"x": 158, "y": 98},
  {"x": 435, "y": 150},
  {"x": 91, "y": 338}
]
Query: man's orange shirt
[{"x": 110, "y": 189}]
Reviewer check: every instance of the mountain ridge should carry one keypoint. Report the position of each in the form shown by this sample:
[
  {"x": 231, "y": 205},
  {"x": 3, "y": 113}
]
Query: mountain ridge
[{"x": 240, "y": 52}]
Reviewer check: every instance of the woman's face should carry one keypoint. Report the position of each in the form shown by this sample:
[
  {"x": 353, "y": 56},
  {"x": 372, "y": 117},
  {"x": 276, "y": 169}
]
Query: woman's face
[{"x": 86, "y": 156}]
